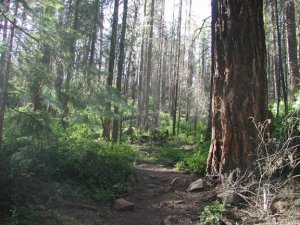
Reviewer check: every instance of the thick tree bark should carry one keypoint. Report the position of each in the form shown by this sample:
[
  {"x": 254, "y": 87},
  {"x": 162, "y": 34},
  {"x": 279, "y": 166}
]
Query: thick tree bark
[
  {"x": 107, "y": 121},
  {"x": 115, "y": 132},
  {"x": 239, "y": 83},
  {"x": 292, "y": 45}
]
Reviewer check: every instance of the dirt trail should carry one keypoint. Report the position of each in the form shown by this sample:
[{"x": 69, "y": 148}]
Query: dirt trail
[{"x": 159, "y": 196}]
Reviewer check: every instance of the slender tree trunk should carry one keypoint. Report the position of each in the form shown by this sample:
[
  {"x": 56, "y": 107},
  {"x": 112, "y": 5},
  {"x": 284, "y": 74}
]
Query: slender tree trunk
[
  {"x": 6, "y": 70},
  {"x": 115, "y": 132},
  {"x": 214, "y": 13},
  {"x": 292, "y": 45},
  {"x": 176, "y": 80},
  {"x": 107, "y": 121},
  {"x": 172, "y": 65},
  {"x": 101, "y": 36},
  {"x": 164, "y": 76},
  {"x": 149, "y": 65},
  {"x": 94, "y": 33},
  {"x": 280, "y": 62},
  {"x": 36, "y": 86},
  {"x": 70, "y": 68},
  {"x": 239, "y": 83},
  {"x": 160, "y": 65},
  {"x": 190, "y": 68},
  {"x": 131, "y": 70},
  {"x": 141, "y": 74}
]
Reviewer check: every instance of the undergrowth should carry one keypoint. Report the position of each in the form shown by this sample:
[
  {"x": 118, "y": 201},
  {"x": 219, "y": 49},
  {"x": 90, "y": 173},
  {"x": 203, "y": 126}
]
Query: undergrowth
[
  {"x": 196, "y": 161},
  {"x": 49, "y": 162}
]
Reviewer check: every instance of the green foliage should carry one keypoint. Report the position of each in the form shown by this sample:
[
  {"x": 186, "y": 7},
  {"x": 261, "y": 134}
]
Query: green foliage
[
  {"x": 211, "y": 214},
  {"x": 170, "y": 155},
  {"x": 297, "y": 203},
  {"x": 93, "y": 163},
  {"x": 25, "y": 126},
  {"x": 165, "y": 122},
  {"x": 296, "y": 103},
  {"x": 284, "y": 124},
  {"x": 195, "y": 162},
  {"x": 38, "y": 153}
]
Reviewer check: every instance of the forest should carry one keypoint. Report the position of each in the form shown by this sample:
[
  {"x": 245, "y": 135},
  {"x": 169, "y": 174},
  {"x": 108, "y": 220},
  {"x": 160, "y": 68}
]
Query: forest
[{"x": 149, "y": 112}]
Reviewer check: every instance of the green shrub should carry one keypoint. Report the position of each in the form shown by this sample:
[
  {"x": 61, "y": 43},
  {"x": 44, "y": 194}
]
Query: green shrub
[
  {"x": 95, "y": 164},
  {"x": 169, "y": 155},
  {"x": 211, "y": 214},
  {"x": 25, "y": 126},
  {"x": 74, "y": 158},
  {"x": 195, "y": 162}
]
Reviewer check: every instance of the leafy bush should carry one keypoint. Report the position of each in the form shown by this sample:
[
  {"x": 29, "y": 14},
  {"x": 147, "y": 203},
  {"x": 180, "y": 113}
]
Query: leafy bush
[
  {"x": 169, "y": 155},
  {"x": 211, "y": 214},
  {"x": 40, "y": 156},
  {"x": 195, "y": 162},
  {"x": 25, "y": 126},
  {"x": 95, "y": 164}
]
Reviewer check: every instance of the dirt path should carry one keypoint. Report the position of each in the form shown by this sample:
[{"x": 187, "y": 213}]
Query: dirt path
[{"x": 159, "y": 196}]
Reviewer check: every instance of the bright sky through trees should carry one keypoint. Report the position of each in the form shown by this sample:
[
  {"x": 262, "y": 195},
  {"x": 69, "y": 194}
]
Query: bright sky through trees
[{"x": 200, "y": 9}]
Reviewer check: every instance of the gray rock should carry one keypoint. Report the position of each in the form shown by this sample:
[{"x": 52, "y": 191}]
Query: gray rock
[
  {"x": 228, "y": 197},
  {"x": 123, "y": 205},
  {"x": 196, "y": 185}
]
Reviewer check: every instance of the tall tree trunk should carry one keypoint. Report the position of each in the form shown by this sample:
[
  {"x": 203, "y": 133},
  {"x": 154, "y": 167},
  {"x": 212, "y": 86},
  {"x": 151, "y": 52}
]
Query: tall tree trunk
[
  {"x": 94, "y": 33},
  {"x": 214, "y": 13},
  {"x": 190, "y": 68},
  {"x": 280, "y": 61},
  {"x": 164, "y": 76},
  {"x": 70, "y": 67},
  {"x": 277, "y": 81},
  {"x": 115, "y": 132},
  {"x": 101, "y": 47},
  {"x": 176, "y": 72},
  {"x": 239, "y": 87},
  {"x": 141, "y": 73},
  {"x": 160, "y": 65},
  {"x": 37, "y": 84},
  {"x": 149, "y": 65},
  {"x": 292, "y": 45},
  {"x": 6, "y": 70},
  {"x": 107, "y": 121}
]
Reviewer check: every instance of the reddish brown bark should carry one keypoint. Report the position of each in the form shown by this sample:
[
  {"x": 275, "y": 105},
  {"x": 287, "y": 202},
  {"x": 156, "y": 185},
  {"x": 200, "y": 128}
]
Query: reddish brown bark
[{"x": 239, "y": 83}]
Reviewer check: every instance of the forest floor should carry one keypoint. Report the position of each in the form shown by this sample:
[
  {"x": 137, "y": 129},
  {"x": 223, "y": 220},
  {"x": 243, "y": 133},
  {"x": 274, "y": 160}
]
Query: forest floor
[
  {"x": 158, "y": 192},
  {"x": 159, "y": 195}
]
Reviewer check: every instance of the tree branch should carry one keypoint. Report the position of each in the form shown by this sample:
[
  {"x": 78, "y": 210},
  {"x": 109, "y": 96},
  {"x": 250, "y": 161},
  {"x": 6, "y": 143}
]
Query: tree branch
[{"x": 20, "y": 28}]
